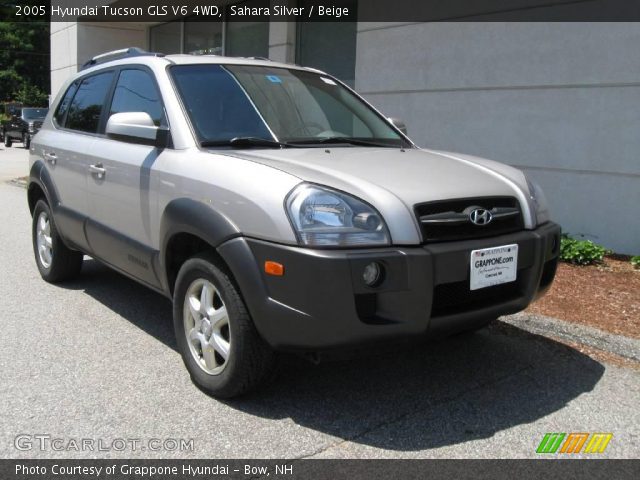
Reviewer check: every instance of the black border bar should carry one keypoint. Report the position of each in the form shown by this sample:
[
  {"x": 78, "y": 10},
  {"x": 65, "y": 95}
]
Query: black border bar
[
  {"x": 411, "y": 11},
  {"x": 323, "y": 469}
]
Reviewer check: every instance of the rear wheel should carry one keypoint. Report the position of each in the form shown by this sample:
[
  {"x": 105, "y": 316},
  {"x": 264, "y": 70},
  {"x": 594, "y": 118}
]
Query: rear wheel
[
  {"x": 26, "y": 141},
  {"x": 7, "y": 140},
  {"x": 219, "y": 343},
  {"x": 55, "y": 261}
]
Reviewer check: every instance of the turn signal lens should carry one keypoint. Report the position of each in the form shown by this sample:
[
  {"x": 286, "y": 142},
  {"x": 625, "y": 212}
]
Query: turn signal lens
[{"x": 274, "y": 268}]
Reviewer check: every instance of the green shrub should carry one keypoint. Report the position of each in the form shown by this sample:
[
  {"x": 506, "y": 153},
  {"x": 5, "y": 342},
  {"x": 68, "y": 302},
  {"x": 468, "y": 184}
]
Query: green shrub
[
  {"x": 635, "y": 261},
  {"x": 581, "y": 252}
]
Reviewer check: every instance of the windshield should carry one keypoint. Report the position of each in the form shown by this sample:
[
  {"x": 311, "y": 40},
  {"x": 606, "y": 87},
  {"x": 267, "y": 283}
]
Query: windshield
[
  {"x": 33, "y": 113},
  {"x": 227, "y": 102}
]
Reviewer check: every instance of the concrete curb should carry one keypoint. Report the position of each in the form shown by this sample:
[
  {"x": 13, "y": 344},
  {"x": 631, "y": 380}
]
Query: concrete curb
[{"x": 552, "y": 327}]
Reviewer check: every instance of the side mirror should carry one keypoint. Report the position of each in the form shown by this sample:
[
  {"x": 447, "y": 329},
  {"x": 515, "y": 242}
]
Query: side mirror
[
  {"x": 399, "y": 124},
  {"x": 136, "y": 127}
]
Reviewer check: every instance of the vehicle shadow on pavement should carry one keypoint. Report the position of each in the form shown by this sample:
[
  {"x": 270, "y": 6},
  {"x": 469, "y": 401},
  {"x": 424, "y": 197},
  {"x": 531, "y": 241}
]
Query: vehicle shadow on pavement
[
  {"x": 405, "y": 397},
  {"x": 144, "y": 308}
]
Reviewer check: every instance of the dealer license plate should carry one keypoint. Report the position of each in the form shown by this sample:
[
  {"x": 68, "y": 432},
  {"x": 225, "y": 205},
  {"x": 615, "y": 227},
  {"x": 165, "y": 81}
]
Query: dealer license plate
[{"x": 493, "y": 266}]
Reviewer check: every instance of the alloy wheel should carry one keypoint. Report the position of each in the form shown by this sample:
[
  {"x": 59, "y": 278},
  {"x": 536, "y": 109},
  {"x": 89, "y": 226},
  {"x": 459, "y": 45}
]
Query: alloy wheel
[
  {"x": 206, "y": 326},
  {"x": 43, "y": 240}
]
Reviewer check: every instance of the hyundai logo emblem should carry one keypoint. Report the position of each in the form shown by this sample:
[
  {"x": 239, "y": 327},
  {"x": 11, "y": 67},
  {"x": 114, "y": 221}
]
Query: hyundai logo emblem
[{"x": 480, "y": 216}]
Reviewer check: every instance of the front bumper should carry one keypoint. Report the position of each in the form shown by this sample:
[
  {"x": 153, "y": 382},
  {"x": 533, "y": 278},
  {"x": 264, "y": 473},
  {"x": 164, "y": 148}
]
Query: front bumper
[{"x": 322, "y": 302}]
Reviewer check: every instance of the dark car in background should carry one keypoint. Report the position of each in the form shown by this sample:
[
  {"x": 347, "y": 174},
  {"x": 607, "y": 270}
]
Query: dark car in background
[{"x": 23, "y": 125}]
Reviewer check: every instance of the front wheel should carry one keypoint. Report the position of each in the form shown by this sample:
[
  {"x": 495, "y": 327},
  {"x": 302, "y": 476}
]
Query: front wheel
[
  {"x": 7, "y": 140},
  {"x": 55, "y": 261},
  {"x": 217, "y": 339}
]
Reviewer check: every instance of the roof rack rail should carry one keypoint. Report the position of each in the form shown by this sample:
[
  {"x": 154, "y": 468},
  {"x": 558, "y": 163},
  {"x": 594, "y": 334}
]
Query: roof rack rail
[{"x": 119, "y": 54}]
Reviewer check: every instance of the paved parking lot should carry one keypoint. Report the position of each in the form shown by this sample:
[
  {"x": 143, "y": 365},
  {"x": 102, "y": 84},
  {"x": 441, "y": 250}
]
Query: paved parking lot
[{"x": 96, "y": 359}]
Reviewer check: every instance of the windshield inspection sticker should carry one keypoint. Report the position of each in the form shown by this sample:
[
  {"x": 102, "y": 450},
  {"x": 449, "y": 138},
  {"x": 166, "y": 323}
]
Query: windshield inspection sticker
[
  {"x": 274, "y": 78},
  {"x": 493, "y": 266},
  {"x": 328, "y": 81}
]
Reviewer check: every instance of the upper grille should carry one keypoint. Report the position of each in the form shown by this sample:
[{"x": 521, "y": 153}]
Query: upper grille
[{"x": 450, "y": 219}]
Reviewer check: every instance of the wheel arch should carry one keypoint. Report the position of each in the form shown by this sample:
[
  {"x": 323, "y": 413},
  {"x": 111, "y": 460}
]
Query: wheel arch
[
  {"x": 189, "y": 227},
  {"x": 40, "y": 187}
]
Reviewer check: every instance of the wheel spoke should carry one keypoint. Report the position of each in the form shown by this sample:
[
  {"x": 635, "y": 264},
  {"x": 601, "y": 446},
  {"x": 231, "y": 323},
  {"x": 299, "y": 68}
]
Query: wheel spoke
[
  {"x": 45, "y": 253},
  {"x": 219, "y": 317},
  {"x": 41, "y": 223},
  {"x": 196, "y": 338},
  {"x": 194, "y": 308},
  {"x": 47, "y": 241},
  {"x": 220, "y": 344},
  {"x": 47, "y": 227},
  {"x": 206, "y": 298},
  {"x": 209, "y": 356}
]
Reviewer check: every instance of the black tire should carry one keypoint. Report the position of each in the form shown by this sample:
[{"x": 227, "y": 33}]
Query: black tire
[
  {"x": 7, "y": 140},
  {"x": 250, "y": 362},
  {"x": 26, "y": 140},
  {"x": 65, "y": 263}
]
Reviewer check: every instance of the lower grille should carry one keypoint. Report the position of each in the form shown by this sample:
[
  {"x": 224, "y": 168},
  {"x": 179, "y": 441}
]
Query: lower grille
[{"x": 453, "y": 298}]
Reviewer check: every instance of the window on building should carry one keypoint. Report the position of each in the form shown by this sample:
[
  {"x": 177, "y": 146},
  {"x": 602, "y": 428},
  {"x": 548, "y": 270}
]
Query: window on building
[
  {"x": 248, "y": 39},
  {"x": 203, "y": 37},
  {"x": 86, "y": 106},
  {"x": 165, "y": 38},
  {"x": 329, "y": 46},
  {"x": 240, "y": 39},
  {"x": 137, "y": 92}
]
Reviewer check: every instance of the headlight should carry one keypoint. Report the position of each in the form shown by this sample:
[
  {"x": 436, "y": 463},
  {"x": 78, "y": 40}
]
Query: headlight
[
  {"x": 539, "y": 201},
  {"x": 324, "y": 217}
]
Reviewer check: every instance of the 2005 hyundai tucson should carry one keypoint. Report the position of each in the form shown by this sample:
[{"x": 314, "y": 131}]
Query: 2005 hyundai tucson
[{"x": 278, "y": 209}]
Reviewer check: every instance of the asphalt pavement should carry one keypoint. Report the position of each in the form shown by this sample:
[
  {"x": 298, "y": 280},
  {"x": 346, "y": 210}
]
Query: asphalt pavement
[{"x": 95, "y": 360}]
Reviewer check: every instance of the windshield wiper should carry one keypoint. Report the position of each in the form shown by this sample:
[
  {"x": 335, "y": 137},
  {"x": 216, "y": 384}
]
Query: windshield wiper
[
  {"x": 344, "y": 140},
  {"x": 244, "y": 142}
]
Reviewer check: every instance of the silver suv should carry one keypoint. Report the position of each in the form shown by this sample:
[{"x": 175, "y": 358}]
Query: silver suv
[{"x": 278, "y": 209}]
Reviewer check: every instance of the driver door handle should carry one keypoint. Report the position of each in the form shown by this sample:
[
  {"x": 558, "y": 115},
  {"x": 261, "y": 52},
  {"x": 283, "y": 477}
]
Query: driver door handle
[
  {"x": 50, "y": 157},
  {"x": 97, "y": 170}
]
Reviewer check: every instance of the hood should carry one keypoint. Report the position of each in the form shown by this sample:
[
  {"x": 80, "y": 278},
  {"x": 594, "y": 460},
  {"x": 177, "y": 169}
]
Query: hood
[{"x": 394, "y": 180}]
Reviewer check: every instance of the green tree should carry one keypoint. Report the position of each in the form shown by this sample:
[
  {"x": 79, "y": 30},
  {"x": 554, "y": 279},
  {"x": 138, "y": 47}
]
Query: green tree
[{"x": 24, "y": 58}]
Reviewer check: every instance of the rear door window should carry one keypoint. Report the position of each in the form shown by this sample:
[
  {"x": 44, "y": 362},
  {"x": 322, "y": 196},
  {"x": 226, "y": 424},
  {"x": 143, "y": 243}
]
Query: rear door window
[{"x": 86, "y": 107}]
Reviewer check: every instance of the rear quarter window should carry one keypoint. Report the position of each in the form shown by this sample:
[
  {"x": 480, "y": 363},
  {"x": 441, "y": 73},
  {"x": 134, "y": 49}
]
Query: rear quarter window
[{"x": 63, "y": 106}]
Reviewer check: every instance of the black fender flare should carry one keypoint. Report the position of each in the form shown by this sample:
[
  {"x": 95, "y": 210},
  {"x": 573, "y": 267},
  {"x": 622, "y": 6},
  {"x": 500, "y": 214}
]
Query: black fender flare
[
  {"x": 40, "y": 176},
  {"x": 186, "y": 215}
]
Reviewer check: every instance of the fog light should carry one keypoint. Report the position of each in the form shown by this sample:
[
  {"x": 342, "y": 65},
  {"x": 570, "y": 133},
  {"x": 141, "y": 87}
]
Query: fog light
[{"x": 372, "y": 274}]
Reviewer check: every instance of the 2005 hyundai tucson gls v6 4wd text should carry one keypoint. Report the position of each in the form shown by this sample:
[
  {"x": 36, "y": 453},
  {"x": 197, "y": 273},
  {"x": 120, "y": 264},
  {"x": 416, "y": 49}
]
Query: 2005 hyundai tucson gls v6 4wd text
[{"x": 278, "y": 210}]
